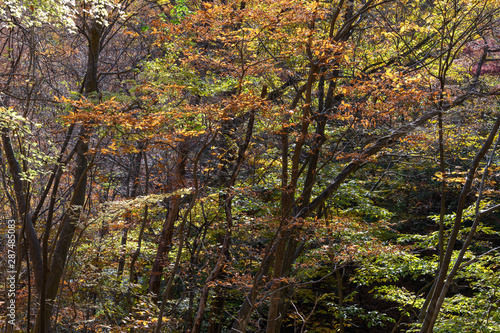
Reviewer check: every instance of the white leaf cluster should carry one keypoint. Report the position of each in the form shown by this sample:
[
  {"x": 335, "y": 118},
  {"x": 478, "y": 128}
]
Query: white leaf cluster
[{"x": 57, "y": 13}]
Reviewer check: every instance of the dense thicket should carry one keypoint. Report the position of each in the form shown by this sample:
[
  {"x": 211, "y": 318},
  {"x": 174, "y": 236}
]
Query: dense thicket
[{"x": 251, "y": 166}]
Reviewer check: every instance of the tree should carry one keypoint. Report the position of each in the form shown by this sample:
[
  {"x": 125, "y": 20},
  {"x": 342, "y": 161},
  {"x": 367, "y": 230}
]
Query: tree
[
  {"x": 249, "y": 48},
  {"x": 97, "y": 23},
  {"x": 209, "y": 155}
]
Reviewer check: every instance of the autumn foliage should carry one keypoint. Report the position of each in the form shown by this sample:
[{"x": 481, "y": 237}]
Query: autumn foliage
[{"x": 251, "y": 166}]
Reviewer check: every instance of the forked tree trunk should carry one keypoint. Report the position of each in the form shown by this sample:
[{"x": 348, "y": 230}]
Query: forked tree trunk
[{"x": 249, "y": 303}]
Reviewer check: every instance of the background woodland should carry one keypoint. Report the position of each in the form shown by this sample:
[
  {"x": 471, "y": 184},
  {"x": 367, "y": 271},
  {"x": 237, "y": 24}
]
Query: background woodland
[{"x": 251, "y": 166}]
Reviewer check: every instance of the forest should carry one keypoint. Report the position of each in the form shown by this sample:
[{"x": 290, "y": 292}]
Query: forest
[{"x": 249, "y": 166}]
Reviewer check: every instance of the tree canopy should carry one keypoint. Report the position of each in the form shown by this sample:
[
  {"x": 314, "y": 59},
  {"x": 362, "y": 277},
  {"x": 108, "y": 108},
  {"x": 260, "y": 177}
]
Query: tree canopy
[{"x": 250, "y": 166}]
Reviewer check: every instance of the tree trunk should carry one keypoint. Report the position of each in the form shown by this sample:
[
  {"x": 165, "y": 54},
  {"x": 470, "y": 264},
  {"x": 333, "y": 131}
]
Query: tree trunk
[
  {"x": 167, "y": 233},
  {"x": 134, "y": 171},
  {"x": 443, "y": 280},
  {"x": 164, "y": 245},
  {"x": 72, "y": 215},
  {"x": 29, "y": 229}
]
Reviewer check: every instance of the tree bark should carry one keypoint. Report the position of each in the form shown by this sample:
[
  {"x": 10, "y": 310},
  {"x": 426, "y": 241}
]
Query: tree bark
[
  {"x": 29, "y": 229},
  {"x": 440, "y": 288},
  {"x": 73, "y": 212},
  {"x": 167, "y": 233},
  {"x": 134, "y": 172}
]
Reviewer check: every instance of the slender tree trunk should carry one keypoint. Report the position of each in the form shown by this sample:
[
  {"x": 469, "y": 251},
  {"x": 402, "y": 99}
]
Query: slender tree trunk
[
  {"x": 72, "y": 215},
  {"x": 168, "y": 287},
  {"x": 164, "y": 245},
  {"x": 29, "y": 229},
  {"x": 64, "y": 241},
  {"x": 250, "y": 301},
  {"x": 440, "y": 288},
  {"x": 289, "y": 182},
  {"x": 135, "y": 256},
  {"x": 167, "y": 233},
  {"x": 134, "y": 172}
]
